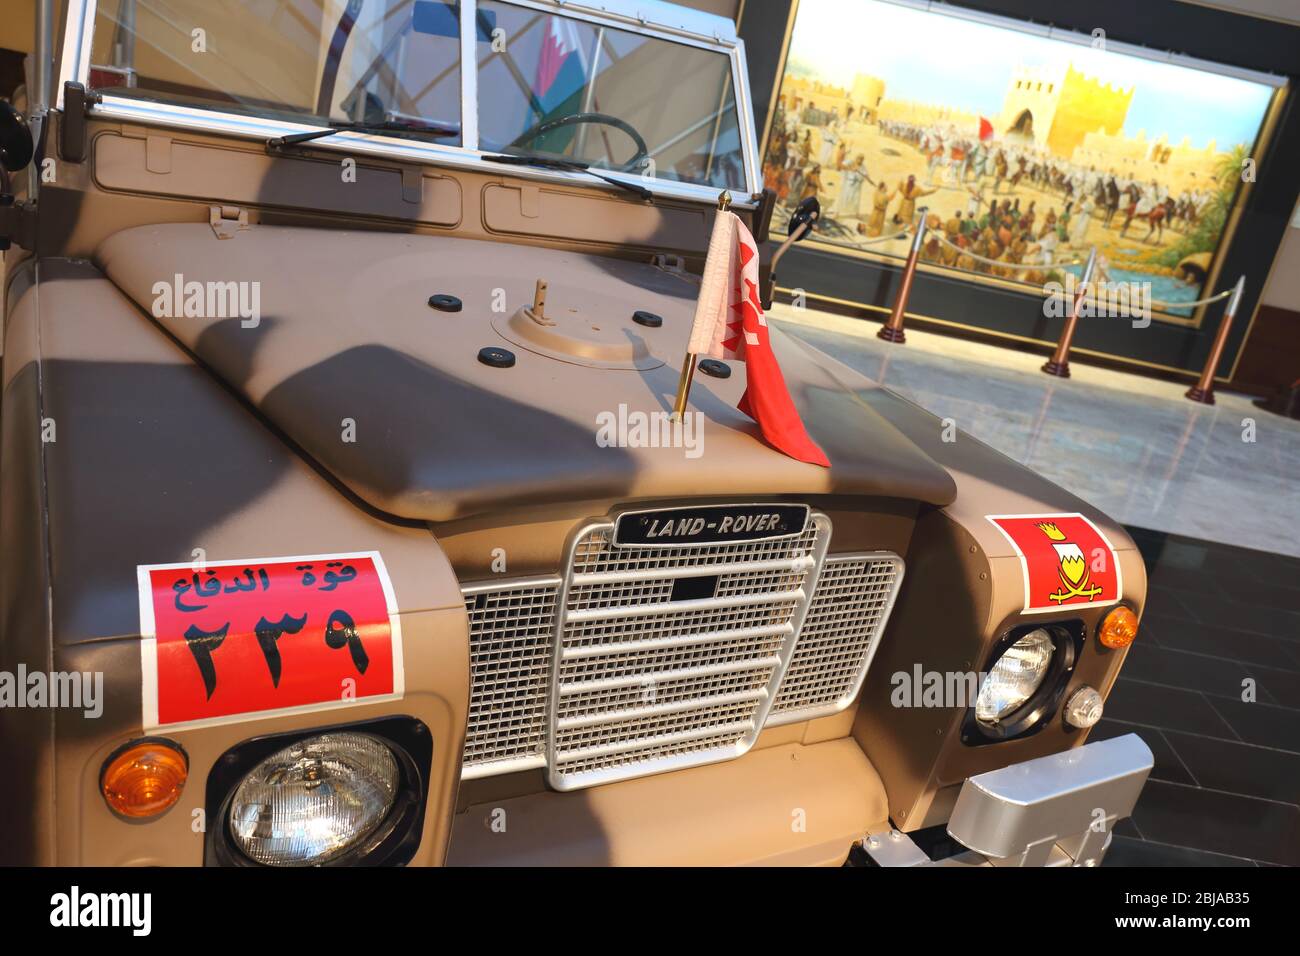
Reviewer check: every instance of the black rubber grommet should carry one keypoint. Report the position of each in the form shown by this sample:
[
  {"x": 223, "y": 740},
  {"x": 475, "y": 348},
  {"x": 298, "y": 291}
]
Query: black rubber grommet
[
  {"x": 715, "y": 368},
  {"x": 444, "y": 303},
  {"x": 648, "y": 319},
  {"x": 495, "y": 357}
]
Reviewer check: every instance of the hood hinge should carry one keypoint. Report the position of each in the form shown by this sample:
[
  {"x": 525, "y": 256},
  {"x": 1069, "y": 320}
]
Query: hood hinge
[{"x": 227, "y": 220}]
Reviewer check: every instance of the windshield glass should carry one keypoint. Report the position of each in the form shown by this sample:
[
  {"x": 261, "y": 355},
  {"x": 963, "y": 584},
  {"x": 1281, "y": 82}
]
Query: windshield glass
[
  {"x": 556, "y": 86},
  {"x": 567, "y": 87},
  {"x": 370, "y": 61}
]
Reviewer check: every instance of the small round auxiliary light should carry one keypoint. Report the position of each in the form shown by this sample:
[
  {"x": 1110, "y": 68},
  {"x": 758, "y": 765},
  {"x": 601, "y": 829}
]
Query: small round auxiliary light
[
  {"x": 1083, "y": 709},
  {"x": 144, "y": 778},
  {"x": 715, "y": 368},
  {"x": 1118, "y": 629},
  {"x": 648, "y": 319}
]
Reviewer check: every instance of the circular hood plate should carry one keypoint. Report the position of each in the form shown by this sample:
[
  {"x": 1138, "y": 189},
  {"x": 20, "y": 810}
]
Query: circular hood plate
[{"x": 569, "y": 335}]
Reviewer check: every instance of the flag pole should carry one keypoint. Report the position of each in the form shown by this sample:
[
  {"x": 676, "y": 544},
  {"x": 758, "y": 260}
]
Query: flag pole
[{"x": 688, "y": 365}]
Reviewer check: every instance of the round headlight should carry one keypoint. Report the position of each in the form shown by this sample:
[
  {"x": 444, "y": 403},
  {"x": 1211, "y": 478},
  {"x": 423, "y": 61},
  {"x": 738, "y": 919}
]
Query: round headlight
[
  {"x": 314, "y": 800},
  {"x": 1015, "y": 676}
]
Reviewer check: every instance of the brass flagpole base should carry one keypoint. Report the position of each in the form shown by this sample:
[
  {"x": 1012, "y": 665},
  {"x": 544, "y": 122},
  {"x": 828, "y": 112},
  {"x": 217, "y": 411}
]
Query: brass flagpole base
[
  {"x": 684, "y": 386},
  {"x": 1059, "y": 369},
  {"x": 1203, "y": 395}
]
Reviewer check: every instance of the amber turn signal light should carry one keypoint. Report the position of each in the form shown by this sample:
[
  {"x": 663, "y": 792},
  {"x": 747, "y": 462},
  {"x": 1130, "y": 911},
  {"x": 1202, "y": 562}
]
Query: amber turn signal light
[
  {"x": 144, "y": 778},
  {"x": 1118, "y": 628}
]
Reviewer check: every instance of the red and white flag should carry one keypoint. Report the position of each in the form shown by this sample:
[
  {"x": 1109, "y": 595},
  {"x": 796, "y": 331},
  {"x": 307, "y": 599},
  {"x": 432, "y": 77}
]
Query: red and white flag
[{"x": 729, "y": 324}]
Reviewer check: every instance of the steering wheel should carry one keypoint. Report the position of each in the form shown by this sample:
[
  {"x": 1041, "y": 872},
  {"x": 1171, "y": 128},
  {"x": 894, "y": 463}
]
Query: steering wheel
[
  {"x": 15, "y": 139},
  {"x": 576, "y": 119}
]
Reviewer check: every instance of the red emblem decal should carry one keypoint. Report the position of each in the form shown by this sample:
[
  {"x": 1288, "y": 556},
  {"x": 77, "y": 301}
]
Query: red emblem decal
[
  {"x": 1066, "y": 560},
  {"x": 229, "y": 640}
]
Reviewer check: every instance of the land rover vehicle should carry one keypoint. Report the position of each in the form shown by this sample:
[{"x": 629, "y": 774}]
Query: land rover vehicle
[{"x": 312, "y": 314}]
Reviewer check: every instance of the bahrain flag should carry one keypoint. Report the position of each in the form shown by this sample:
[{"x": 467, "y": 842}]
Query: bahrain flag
[{"x": 729, "y": 324}]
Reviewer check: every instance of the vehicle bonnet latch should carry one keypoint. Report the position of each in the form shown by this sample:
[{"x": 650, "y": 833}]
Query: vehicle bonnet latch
[{"x": 227, "y": 220}]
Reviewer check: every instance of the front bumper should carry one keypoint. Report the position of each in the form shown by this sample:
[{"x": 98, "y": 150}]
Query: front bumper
[{"x": 1057, "y": 810}]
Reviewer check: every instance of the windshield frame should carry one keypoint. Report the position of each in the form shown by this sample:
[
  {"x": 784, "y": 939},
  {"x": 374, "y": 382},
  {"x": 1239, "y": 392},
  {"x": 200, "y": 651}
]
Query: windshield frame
[{"x": 651, "y": 18}]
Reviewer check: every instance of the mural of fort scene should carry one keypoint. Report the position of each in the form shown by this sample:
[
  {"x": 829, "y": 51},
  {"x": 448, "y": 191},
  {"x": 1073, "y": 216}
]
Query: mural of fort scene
[{"x": 1022, "y": 151}]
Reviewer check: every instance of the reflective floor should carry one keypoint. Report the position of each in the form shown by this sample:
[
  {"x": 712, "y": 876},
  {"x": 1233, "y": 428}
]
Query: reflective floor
[
  {"x": 1213, "y": 687},
  {"x": 1132, "y": 446},
  {"x": 1213, "y": 683}
]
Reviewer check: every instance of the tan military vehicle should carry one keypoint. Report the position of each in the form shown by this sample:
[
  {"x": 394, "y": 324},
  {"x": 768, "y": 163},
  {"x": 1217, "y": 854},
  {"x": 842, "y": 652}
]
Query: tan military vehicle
[{"x": 344, "y": 519}]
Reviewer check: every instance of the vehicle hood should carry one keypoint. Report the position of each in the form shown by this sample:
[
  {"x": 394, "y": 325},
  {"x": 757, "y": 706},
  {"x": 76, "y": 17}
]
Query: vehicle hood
[{"x": 348, "y": 360}]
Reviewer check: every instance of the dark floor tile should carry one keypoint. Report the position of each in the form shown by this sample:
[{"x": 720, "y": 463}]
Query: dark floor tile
[
  {"x": 1290, "y": 637},
  {"x": 1215, "y": 610},
  {"x": 1228, "y": 562},
  {"x": 1276, "y": 686},
  {"x": 1186, "y": 563},
  {"x": 1167, "y": 766},
  {"x": 1281, "y": 594},
  {"x": 1238, "y": 767},
  {"x": 1128, "y": 828},
  {"x": 1263, "y": 724},
  {"x": 1164, "y": 603},
  {"x": 1177, "y": 580},
  {"x": 1217, "y": 641},
  {"x": 1219, "y": 822},
  {"x": 1209, "y": 675},
  {"x": 1153, "y": 705},
  {"x": 1126, "y": 851},
  {"x": 1241, "y": 566}
]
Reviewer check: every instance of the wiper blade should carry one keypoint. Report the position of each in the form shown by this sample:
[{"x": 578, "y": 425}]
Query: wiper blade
[
  {"x": 569, "y": 166},
  {"x": 429, "y": 128}
]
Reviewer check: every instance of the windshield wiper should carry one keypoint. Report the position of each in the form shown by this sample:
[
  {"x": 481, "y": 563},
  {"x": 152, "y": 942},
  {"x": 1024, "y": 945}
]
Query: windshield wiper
[
  {"x": 569, "y": 166},
  {"x": 427, "y": 127}
]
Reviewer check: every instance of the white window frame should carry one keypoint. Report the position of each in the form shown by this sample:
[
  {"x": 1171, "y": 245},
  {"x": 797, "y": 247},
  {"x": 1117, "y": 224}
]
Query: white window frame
[{"x": 652, "y": 18}]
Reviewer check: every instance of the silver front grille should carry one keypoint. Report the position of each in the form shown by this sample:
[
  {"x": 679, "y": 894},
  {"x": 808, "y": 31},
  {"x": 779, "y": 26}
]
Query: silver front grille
[
  {"x": 511, "y": 628},
  {"x": 644, "y": 683},
  {"x": 647, "y": 683},
  {"x": 855, "y": 594}
]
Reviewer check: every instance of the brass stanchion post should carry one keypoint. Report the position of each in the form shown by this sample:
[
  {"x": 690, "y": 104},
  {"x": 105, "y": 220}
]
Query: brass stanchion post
[
  {"x": 1059, "y": 363},
  {"x": 1203, "y": 390},
  {"x": 892, "y": 331}
]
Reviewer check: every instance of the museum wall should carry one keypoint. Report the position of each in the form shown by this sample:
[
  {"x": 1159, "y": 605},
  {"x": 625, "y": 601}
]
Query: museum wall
[
  {"x": 1270, "y": 357},
  {"x": 1283, "y": 290}
]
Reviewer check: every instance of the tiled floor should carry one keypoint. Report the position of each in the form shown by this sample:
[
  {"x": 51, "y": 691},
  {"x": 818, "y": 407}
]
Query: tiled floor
[
  {"x": 1220, "y": 623},
  {"x": 1213, "y": 681}
]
